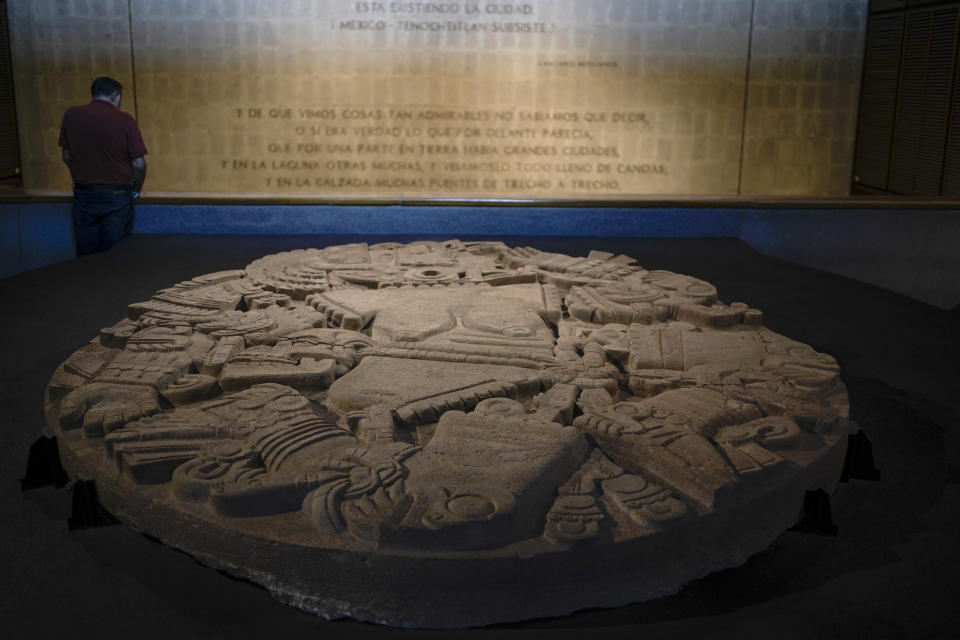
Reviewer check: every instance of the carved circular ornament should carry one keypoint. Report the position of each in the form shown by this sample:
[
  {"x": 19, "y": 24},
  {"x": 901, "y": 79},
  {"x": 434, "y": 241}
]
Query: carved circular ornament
[{"x": 451, "y": 434}]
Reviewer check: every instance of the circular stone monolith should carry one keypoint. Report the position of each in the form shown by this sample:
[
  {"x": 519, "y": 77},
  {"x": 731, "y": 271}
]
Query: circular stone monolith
[{"x": 446, "y": 434}]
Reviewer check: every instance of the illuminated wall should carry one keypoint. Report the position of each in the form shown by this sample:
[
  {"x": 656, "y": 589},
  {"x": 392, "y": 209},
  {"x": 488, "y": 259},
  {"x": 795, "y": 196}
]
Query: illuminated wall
[
  {"x": 547, "y": 98},
  {"x": 57, "y": 49}
]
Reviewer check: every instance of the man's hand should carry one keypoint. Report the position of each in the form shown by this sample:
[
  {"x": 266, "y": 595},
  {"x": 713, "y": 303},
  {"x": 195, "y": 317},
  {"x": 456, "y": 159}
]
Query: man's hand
[
  {"x": 139, "y": 173},
  {"x": 65, "y": 156}
]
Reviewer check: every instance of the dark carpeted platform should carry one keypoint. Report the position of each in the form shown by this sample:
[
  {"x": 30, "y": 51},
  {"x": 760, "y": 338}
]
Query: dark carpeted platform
[{"x": 892, "y": 572}]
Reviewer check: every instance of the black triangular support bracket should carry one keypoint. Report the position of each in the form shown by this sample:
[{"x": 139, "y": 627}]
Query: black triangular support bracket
[
  {"x": 859, "y": 464},
  {"x": 817, "y": 516},
  {"x": 87, "y": 511},
  {"x": 43, "y": 466}
]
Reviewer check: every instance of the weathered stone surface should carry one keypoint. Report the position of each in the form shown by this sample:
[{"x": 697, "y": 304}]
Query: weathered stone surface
[{"x": 450, "y": 434}]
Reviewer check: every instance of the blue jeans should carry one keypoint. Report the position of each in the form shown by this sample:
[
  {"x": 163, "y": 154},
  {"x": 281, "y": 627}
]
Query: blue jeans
[{"x": 102, "y": 216}]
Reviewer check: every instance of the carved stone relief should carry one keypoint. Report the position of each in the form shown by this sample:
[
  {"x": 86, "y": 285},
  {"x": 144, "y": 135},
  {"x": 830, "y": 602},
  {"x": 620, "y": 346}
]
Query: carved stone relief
[{"x": 447, "y": 434}]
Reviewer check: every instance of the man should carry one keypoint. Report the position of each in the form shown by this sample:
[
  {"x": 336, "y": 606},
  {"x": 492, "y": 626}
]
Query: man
[{"x": 104, "y": 150}]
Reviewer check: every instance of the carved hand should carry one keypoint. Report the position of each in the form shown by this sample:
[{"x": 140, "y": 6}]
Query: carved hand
[{"x": 101, "y": 408}]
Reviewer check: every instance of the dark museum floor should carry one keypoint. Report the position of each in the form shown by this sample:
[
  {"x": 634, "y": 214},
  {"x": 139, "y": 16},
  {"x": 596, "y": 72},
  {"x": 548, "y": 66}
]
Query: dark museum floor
[{"x": 893, "y": 571}]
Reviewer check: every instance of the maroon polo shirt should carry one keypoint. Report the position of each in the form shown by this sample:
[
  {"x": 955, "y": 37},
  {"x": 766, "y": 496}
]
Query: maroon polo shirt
[{"x": 102, "y": 141}]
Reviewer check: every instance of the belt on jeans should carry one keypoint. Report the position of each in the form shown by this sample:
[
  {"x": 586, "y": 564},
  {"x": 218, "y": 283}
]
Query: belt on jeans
[{"x": 100, "y": 186}]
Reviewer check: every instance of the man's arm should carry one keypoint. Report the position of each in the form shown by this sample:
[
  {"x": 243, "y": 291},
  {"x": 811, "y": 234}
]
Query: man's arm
[
  {"x": 139, "y": 173},
  {"x": 65, "y": 155}
]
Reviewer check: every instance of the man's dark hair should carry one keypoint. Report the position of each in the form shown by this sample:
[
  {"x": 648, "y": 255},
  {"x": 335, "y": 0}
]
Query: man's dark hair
[{"x": 105, "y": 86}]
